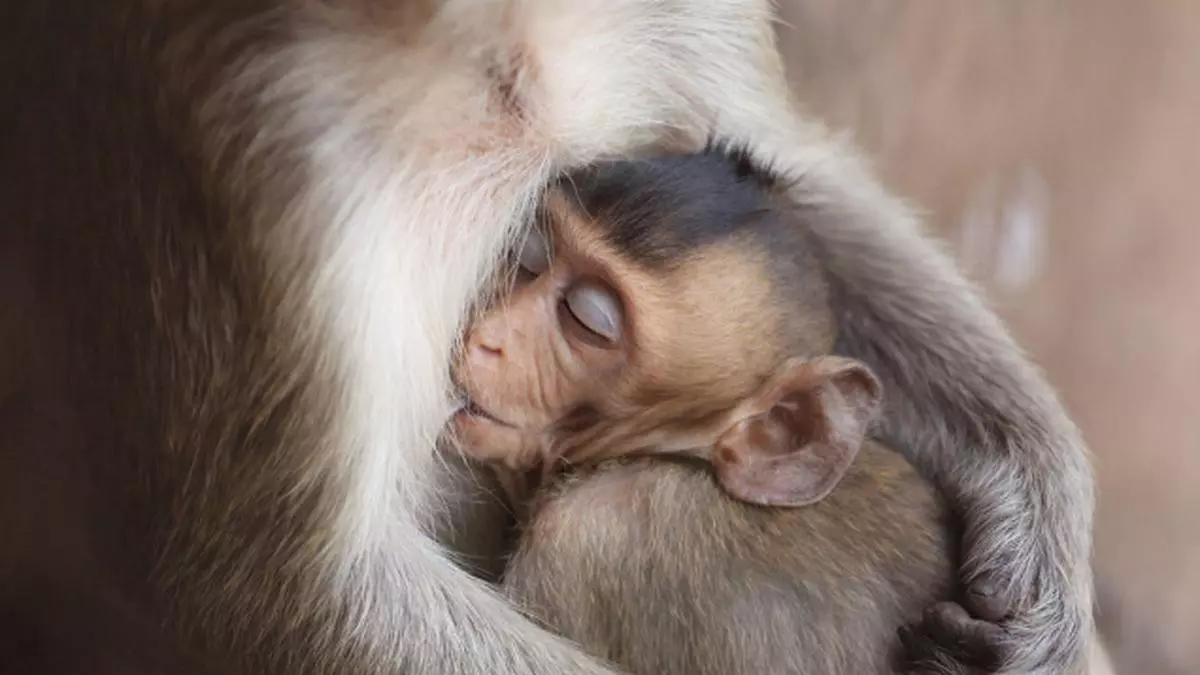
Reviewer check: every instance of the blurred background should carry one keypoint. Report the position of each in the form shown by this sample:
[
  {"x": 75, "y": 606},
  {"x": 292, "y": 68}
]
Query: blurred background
[{"x": 1055, "y": 147}]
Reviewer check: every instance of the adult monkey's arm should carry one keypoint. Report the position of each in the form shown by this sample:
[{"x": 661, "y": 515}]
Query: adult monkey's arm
[
  {"x": 243, "y": 234},
  {"x": 966, "y": 403},
  {"x": 970, "y": 410}
]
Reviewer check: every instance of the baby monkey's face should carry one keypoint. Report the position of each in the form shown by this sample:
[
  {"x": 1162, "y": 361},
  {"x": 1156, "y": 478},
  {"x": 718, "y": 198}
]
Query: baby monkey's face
[
  {"x": 551, "y": 350},
  {"x": 592, "y": 355}
]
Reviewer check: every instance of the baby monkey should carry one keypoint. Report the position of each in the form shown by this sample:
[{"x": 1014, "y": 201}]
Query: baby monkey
[
  {"x": 667, "y": 306},
  {"x": 675, "y": 306}
]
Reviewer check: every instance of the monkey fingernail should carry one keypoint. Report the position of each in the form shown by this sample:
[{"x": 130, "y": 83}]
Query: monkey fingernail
[{"x": 984, "y": 601}]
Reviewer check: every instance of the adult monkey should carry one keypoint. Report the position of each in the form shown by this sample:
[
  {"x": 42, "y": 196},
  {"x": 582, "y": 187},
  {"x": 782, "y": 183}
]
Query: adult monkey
[{"x": 239, "y": 237}]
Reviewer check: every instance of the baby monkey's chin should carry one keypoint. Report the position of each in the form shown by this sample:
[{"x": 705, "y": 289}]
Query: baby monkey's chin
[{"x": 486, "y": 438}]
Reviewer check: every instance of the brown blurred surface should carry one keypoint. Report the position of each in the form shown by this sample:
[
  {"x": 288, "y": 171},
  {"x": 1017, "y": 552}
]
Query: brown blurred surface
[{"x": 1056, "y": 146}]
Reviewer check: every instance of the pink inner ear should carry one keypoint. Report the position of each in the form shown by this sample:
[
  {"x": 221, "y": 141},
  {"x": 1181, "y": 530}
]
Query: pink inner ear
[
  {"x": 795, "y": 454},
  {"x": 727, "y": 455},
  {"x": 801, "y": 418},
  {"x": 799, "y": 479},
  {"x": 757, "y": 463}
]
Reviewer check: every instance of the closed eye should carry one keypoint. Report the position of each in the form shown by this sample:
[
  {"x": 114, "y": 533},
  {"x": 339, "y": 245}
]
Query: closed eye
[{"x": 596, "y": 309}]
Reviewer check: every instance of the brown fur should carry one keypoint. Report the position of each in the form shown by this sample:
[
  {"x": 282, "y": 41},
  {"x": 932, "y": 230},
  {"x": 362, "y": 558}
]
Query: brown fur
[{"x": 651, "y": 565}]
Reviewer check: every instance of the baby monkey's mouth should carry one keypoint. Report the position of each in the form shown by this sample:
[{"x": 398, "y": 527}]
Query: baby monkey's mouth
[{"x": 469, "y": 407}]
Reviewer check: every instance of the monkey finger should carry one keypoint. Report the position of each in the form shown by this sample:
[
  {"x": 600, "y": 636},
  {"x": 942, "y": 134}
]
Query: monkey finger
[
  {"x": 918, "y": 652},
  {"x": 914, "y": 645},
  {"x": 984, "y": 600},
  {"x": 974, "y": 641},
  {"x": 921, "y": 655}
]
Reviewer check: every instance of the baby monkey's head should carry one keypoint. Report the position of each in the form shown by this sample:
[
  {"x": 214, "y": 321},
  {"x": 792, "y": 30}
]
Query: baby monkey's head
[{"x": 669, "y": 305}]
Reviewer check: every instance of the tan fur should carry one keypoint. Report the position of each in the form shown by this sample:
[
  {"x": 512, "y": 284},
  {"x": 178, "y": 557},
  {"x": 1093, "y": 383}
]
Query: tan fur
[
  {"x": 680, "y": 346},
  {"x": 651, "y": 565}
]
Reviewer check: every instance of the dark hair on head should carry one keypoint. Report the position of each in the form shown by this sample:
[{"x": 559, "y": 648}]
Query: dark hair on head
[{"x": 656, "y": 210}]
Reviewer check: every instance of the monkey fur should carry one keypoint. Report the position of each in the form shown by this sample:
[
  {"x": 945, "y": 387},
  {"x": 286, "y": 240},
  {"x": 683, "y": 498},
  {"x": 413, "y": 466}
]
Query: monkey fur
[{"x": 240, "y": 237}]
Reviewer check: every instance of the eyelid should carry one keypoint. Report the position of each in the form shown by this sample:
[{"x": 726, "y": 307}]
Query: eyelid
[
  {"x": 534, "y": 255},
  {"x": 597, "y": 309}
]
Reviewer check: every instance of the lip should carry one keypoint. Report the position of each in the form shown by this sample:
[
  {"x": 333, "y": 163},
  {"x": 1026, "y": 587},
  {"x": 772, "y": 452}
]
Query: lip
[{"x": 473, "y": 410}]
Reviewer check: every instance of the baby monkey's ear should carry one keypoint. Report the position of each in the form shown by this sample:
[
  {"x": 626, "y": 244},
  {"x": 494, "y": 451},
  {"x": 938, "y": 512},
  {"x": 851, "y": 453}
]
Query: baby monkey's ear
[{"x": 790, "y": 444}]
